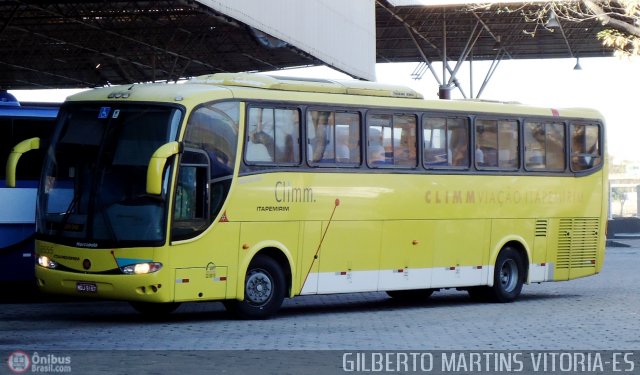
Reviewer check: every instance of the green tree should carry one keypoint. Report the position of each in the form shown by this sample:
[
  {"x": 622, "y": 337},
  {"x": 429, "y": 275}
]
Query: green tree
[
  {"x": 618, "y": 194},
  {"x": 621, "y": 20}
]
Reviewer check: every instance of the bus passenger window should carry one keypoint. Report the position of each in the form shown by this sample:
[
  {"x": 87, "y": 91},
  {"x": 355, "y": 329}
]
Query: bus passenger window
[
  {"x": 498, "y": 142},
  {"x": 378, "y": 138},
  {"x": 544, "y": 146},
  {"x": 287, "y": 136},
  {"x": 585, "y": 147},
  {"x": 347, "y": 136},
  {"x": 333, "y": 138},
  {"x": 260, "y": 144},
  {"x": 319, "y": 132},
  {"x": 404, "y": 141},
  {"x": 273, "y": 136},
  {"x": 446, "y": 142},
  {"x": 392, "y": 140},
  {"x": 458, "y": 153}
]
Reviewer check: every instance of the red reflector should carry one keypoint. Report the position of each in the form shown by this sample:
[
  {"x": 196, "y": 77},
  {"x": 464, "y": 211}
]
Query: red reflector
[
  {"x": 452, "y": 268},
  {"x": 478, "y": 267},
  {"x": 185, "y": 280},
  {"x": 223, "y": 278},
  {"x": 543, "y": 264},
  {"x": 343, "y": 273},
  {"x": 400, "y": 270},
  {"x": 593, "y": 261}
]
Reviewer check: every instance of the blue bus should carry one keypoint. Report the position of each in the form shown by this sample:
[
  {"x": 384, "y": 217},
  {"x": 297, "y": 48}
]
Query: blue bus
[{"x": 17, "y": 205}]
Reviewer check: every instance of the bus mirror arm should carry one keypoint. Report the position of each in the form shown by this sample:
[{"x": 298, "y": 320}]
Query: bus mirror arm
[
  {"x": 17, "y": 151},
  {"x": 157, "y": 163}
]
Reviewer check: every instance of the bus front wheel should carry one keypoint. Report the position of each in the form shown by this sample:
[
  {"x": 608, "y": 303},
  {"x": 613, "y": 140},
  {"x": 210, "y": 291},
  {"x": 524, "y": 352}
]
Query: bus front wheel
[{"x": 264, "y": 290}]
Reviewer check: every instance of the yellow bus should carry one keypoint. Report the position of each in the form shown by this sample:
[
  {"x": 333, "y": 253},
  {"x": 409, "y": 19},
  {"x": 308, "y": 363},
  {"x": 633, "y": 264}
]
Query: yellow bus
[{"x": 248, "y": 189}]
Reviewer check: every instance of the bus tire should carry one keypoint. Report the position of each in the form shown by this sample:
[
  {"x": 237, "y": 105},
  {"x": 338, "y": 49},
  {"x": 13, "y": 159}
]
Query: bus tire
[
  {"x": 264, "y": 290},
  {"x": 508, "y": 276},
  {"x": 411, "y": 295},
  {"x": 155, "y": 310}
]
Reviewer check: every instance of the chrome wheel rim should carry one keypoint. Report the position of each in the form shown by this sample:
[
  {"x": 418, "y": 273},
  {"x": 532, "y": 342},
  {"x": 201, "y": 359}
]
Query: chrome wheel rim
[
  {"x": 259, "y": 287},
  {"x": 509, "y": 275}
]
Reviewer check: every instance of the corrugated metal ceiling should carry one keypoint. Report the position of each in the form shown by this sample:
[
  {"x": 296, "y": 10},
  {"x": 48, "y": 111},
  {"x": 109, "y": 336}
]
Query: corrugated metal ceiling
[{"x": 61, "y": 44}]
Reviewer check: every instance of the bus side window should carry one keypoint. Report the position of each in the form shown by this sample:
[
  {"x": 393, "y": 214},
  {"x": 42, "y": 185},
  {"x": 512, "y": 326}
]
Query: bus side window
[
  {"x": 333, "y": 137},
  {"x": 260, "y": 146},
  {"x": 287, "y": 136},
  {"x": 347, "y": 136},
  {"x": 392, "y": 140},
  {"x": 404, "y": 141},
  {"x": 273, "y": 136},
  {"x": 498, "y": 142},
  {"x": 446, "y": 142},
  {"x": 544, "y": 146},
  {"x": 434, "y": 137},
  {"x": 585, "y": 147},
  {"x": 379, "y": 130},
  {"x": 320, "y": 133}
]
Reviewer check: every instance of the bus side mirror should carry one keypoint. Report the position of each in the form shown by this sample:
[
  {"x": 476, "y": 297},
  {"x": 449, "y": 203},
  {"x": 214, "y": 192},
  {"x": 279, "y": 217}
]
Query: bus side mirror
[
  {"x": 17, "y": 151},
  {"x": 156, "y": 166}
]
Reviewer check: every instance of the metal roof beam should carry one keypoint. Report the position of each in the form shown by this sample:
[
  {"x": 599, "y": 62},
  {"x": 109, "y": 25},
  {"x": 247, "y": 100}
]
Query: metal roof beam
[
  {"x": 155, "y": 48},
  {"x": 495, "y": 38},
  {"x": 67, "y": 78},
  {"x": 424, "y": 57},
  {"x": 406, "y": 24},
  {"x": 494, "y": 65},
  {"x": 10, "y": 18},
  {"x": 465, "y": 52}
]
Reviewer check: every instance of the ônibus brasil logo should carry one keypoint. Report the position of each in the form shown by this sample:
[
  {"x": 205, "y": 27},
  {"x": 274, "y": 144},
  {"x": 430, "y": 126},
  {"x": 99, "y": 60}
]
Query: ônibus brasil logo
[{"x": 19, "y": 362}]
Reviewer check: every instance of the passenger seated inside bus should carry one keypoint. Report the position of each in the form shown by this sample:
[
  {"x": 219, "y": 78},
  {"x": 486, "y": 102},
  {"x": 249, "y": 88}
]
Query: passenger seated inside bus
[
  {"x": 479, "y": 155},
  {"x": 257, "y": 151},
  {"x": 376, "y": 155},
  {"x": 343, "y": 153},
  {"x": 459, "y": 148}
]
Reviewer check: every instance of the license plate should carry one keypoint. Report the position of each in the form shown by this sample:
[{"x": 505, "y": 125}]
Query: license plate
[{"x": 86, "y": 288}]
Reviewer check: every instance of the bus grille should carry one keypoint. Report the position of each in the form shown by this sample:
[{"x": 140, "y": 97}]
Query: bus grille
[
  {"x": 577, "y": 243},
  {"x": 541, "y": 227}
]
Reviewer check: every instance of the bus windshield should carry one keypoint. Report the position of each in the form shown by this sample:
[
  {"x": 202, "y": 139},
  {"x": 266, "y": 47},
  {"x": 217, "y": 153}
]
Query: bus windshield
[{"x": 93, "y": 187}]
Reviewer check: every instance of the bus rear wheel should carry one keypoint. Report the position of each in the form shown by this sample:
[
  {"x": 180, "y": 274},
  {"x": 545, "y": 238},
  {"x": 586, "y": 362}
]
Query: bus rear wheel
[
  {"x": 508, "y": 277},
  {"x": 264, "y": 290}
]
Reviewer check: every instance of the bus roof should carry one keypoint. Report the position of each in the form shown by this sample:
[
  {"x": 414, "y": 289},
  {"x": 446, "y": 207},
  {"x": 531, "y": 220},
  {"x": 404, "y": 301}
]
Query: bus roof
[
  {"x": 45, "y": 112},
  {"x": 251, "y": 86},
  {"x": 352, "y": 87}
]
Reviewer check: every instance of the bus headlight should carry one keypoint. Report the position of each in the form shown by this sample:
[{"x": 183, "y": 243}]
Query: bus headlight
[
  {"x": 46, "y": 262},
  {"x": 141, "y": 268}
]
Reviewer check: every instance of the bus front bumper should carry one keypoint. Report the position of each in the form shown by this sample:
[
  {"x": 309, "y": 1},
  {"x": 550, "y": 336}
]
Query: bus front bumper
[{"x": 154, "y": 287}]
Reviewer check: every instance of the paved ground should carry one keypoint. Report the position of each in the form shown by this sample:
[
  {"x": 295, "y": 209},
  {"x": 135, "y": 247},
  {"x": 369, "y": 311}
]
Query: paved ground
[{"x": 601, "y": 312}]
